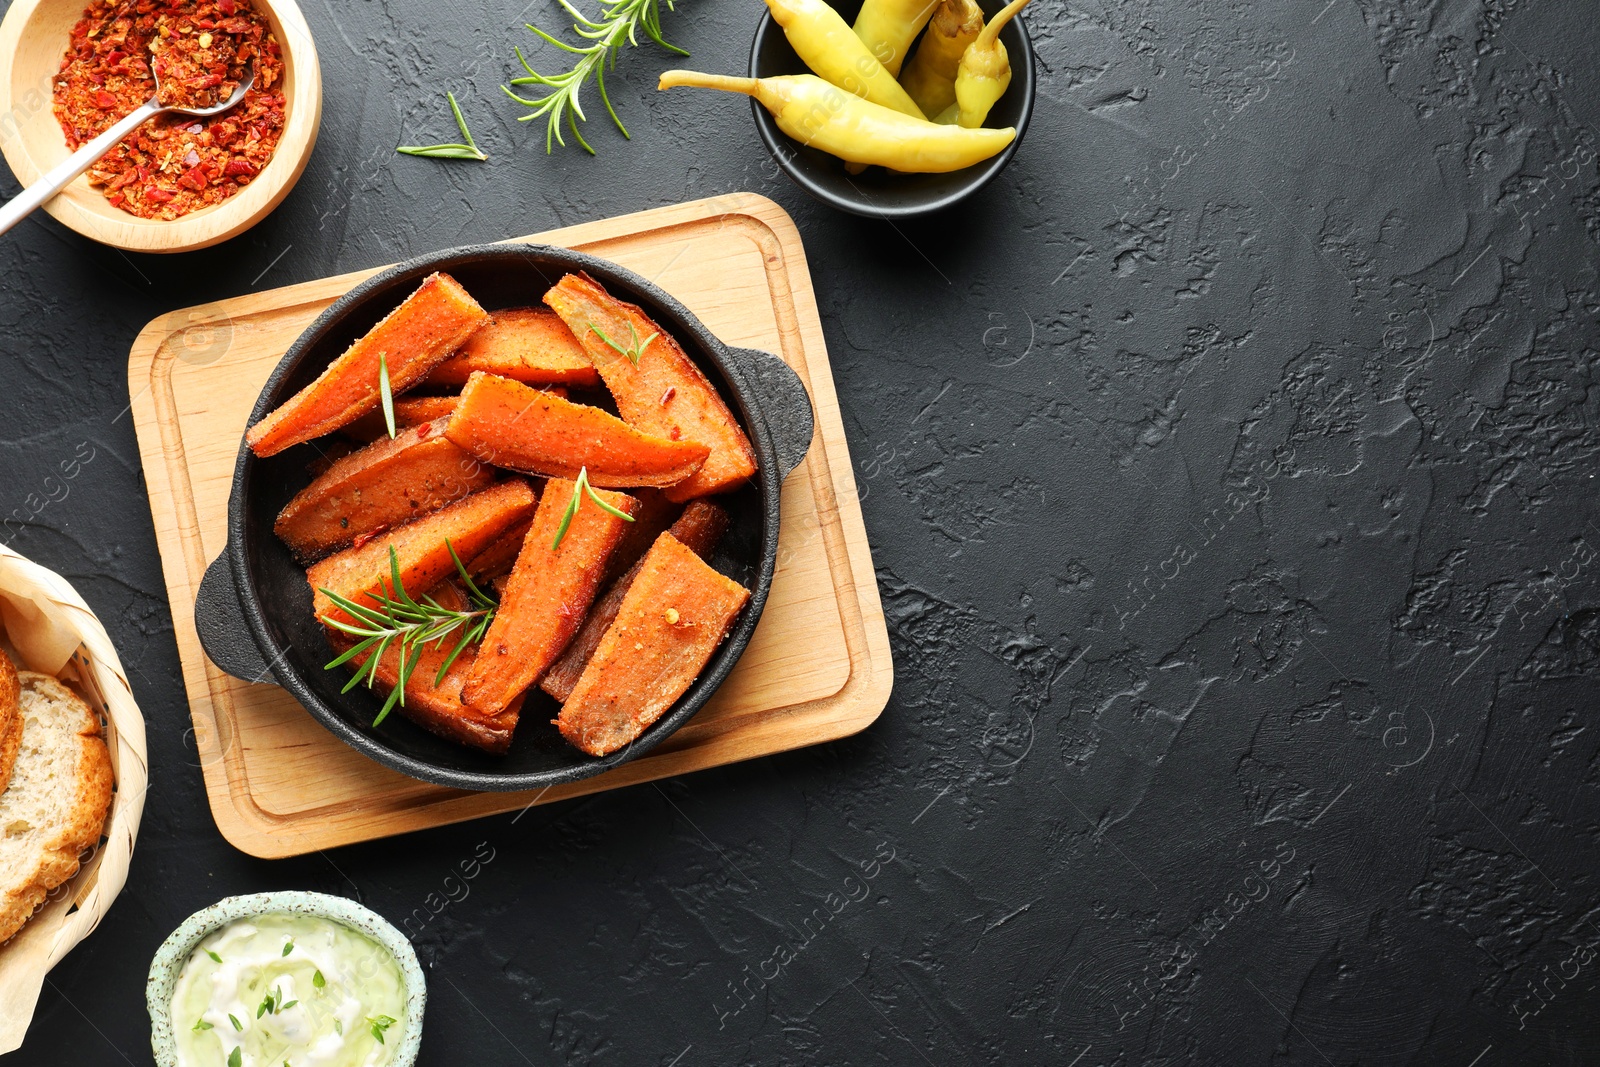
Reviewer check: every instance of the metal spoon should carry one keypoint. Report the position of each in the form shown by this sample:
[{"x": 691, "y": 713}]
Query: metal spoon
[{"x": 60, "y": 176}]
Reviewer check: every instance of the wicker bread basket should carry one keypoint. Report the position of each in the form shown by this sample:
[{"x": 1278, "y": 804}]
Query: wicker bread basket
[{"x": 49, "y": 628}]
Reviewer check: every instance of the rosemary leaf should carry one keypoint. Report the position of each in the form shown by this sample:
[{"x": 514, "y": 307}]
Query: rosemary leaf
[
  {"x": 478, "y": 595},
  {"x": 449, "y": 661},
  {"x": 572, "y": 509},
  {"x": 442, "y": 151},
  {"x": 467, "y": 149},
  {"x": 385, "y": 393},
  {"x": 388, "y": 705},
  {"x": 580, "y": 489},
  {"x": 602, "y": 505},
  {"x": 636, "y": 347},
  {"x": 354, "y": 651}
]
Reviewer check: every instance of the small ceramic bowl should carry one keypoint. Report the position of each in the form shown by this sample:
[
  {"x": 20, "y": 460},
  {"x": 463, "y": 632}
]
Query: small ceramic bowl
[
  {"x": 34, "y": 37},
  {"x": 175, "y": 952},
  {"x": 876, "y": 192}
]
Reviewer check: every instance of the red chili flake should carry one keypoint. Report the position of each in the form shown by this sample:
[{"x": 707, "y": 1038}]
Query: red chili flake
[
  {"x": 366, "y": 537},
  {"x": 675, "y": 433},
  {"x": 672, "y": 391},
  {"x": 106, "y": 72},
  {"x": 424, "y": 430}
]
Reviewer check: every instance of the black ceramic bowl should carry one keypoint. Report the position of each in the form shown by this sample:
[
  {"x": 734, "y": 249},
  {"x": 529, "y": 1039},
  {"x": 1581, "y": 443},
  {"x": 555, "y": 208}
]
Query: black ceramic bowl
[
  {"x": 254, "y": 610},
  {"x": 877, "y": 192}
]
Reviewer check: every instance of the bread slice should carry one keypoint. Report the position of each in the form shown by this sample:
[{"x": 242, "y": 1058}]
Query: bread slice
[
  {"x": 57, "y": 801},
  {"x": 10, "y": 718}
]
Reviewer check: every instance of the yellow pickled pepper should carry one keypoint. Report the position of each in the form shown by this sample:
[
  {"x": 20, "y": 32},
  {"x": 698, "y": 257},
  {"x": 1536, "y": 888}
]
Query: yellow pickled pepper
[
  {"x": 827, "y": 44},
  {"x": 887, "y": 28},
  {"x": 930, "y": 76},
  {"x": 824, "y": 116},
  {"x": 985, "y": 71}
]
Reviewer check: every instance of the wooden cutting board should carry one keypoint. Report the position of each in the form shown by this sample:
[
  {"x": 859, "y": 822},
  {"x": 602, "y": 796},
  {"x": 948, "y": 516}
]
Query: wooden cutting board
[{"x": 817, "y": 668}]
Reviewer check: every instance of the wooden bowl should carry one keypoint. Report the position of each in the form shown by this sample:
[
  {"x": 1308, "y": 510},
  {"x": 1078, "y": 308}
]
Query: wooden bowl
[
  {"x": 53, "y": 631},
  {"x": 33, "y": 40}
]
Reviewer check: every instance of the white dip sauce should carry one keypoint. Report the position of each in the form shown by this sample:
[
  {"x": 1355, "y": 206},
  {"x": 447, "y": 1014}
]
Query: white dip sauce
[{"x": 288, "y": 989}]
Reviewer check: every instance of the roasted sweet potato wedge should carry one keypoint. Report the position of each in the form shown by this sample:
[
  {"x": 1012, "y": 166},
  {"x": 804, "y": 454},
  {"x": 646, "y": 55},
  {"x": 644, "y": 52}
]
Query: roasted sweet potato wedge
[
  {"x": 657, "y": 387},
  {"x": 438, "y": 708},
  {"x": 408, "y": 411},
  {"x": 516, "y": 426},
  {"x": 655, "y": 514},
  {"x": 699, "y": 528},
  {"x": 414, "y": 338},
  {"x": 388, "y": 483},
  {"x": 470, "y": 525},
  {"x": 675, "y": 614},
  {"x": 546, "y": 596},
  {"x": 501, "y": 556},
  {"x": 528, "y": 345},
  {"x": 329, "y": 452}
]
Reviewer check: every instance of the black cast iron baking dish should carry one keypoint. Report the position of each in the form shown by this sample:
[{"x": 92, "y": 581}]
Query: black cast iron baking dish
[{"x": 254, "y": 611}]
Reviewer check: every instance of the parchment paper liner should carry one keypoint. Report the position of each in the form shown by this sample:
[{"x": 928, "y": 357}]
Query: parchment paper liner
[{"x": 50, "y": 629}]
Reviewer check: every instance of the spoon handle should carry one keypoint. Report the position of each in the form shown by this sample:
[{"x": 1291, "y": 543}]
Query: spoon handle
[{"x": 60, "y": 176}]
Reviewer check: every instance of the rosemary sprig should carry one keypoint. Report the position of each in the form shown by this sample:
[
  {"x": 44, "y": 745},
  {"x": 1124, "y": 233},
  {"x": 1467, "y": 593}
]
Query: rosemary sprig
[
  {"x": 579, "y": 489},
  {"x": 400, "y": 620},
  {"x": 619, "y": 21},
  {"x": 385, "y": 393},
  {"x": 467, "y": 150},
  {"x": 635, "y": 350}
]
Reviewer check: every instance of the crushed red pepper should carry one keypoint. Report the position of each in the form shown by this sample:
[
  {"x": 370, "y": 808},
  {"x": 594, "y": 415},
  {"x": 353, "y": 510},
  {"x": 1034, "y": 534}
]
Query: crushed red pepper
[{"x": 173, "y": 164}]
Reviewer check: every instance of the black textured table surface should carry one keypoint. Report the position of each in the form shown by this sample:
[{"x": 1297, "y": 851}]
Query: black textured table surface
[{"x": 1229, "y": 469}]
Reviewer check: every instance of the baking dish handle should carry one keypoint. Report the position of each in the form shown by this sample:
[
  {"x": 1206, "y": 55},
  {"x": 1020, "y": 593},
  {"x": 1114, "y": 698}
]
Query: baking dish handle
[
  {"x": 224, "y": 633},
  {"x": 785, "y": 404}
]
